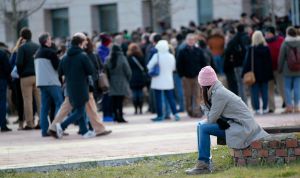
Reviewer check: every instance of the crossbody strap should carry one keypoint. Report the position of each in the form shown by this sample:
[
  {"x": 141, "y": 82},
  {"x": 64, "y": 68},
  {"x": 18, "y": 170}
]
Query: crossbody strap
[{"x": 138, "y": 63}]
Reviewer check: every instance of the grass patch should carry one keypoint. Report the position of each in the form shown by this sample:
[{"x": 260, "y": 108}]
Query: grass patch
[{"x": 172, "y": 166}]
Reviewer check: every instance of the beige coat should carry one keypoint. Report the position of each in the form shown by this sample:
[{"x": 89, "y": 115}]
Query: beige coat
[{"x": 244, "y": 130}]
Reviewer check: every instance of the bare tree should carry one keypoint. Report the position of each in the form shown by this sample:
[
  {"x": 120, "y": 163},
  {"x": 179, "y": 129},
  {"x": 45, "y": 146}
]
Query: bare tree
[{"x": 12, "y": 12}]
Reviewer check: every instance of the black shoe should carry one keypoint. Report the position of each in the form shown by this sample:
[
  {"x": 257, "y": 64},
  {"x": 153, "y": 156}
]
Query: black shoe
[
  {"x": 167, "y": 118},
  {"x": 283, "y": 105},
  {"x": 5, "y": 129},
  {"x": 122, "y": 121},
  {"x": 28, "y": 128},
  {"x": 37, "y": 127},
  {"x": 271, "y": 111},
  {"x": 52, "y": 133}
]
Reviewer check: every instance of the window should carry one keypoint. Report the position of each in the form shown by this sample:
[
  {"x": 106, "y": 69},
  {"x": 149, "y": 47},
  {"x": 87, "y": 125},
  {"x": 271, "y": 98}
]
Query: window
[
  {"x": 108, "y": 17},
  {"x": 205, "y": 10},
  {"x": 60, "y": 22}
]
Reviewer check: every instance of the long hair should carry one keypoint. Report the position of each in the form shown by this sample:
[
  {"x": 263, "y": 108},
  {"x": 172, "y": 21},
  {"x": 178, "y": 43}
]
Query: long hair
[
  {"x": 89, "y": 46},
  {"x": 205, "y": 96},
  {"x": 258, "y": 39},
  {"x": 18, "y": 44},
  {"x": 134, "y": 50},
  {"x": 115, "y": 52}
]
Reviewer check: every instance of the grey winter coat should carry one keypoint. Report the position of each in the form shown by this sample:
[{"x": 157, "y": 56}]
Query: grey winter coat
[
  {"x": 119, "y": 76},
  {"x": 244, "y": 129},
  {"x": 282, "y": 62}
]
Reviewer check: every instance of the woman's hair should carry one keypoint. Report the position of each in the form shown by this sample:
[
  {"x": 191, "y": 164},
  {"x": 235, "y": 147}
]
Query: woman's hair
[
  {"x": 89, "y": 46},
  {"x": 205, "y": 96},
  {"x": 134, "y": 50},
  {"x": 258, "y": 39},
  {"x": 18, "y": 44},
  {"x": 25, "y": 33},
  {"x": 291, "y": 31},
  {"x": 115, "y": 52}
]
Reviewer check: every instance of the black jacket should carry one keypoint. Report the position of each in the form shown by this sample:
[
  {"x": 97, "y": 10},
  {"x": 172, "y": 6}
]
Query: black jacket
[
  {"x": 97, "y": 67},
  {"x": 236, "y": 51},
  {"x": 25, "y": 59},
  {"x": 76, "y": 67},
  {"x": 190, "y": 61},
  {"x": 48, "y": 53},
  {"x": 5, "y": 67},
  {"x": 139, "y": 78},
  {"x": 262, "y": 63}
]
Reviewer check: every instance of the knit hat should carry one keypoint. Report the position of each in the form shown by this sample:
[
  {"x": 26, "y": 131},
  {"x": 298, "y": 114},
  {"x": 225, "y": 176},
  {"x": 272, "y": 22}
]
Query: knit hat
[{"x": 207, "y": 76}]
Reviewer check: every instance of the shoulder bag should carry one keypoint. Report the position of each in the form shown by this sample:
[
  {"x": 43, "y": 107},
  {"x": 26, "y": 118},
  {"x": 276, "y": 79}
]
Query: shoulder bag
[{"x": 249, "y": 77}]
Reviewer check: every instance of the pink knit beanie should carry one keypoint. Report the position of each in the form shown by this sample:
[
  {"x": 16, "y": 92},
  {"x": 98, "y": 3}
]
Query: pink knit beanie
[{"x": 207, "y": 76}]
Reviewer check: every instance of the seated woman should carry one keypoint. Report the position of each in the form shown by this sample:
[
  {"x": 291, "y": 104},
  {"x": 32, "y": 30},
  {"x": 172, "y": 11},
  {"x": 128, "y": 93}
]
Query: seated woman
[{"x": 227, "y": 117}]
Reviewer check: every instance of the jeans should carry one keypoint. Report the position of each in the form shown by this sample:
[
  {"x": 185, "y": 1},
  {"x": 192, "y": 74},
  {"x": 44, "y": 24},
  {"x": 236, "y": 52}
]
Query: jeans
[
  {"x": 3, "y": 91},
  {"x": 170, "y": 98},
  {"x": 292, "y": 84},
  {"x": 219, "y": 62},
  {"x": 258, "y": 89},
  {"x": 166, "y": 106},
  {"x": 204, "y": 131},
  {"x": 77, "y": 114},
  {"x": 241, "y": 89},
  {"x": 49, "y": 94},
  {"x": 178, "y": 91}
]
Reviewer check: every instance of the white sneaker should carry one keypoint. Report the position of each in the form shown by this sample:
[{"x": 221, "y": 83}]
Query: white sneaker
[
  {"x": 265, "y": 111},
  {"x": 59, "y": 130},
  {"x": 89, "y": 134},
  {"x": 257, "y": 112}
]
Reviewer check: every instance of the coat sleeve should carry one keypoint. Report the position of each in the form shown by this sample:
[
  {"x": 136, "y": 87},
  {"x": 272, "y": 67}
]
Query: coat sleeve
[
  {"x": 87, "y": 65},
  {"x": 152, "y": 61},
  {"x": 282, "y": 55},
  {"x": 179, "y": 62},
  {"x": 20, "y": 59},
  {"x": 127, "y": 69},
  {"x": 247, "y": 62},
  {"x": 219, "y": 102}
]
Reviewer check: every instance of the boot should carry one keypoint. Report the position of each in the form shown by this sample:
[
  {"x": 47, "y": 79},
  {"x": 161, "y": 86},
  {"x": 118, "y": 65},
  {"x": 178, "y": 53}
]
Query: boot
[{"x": 200, "y": 168}]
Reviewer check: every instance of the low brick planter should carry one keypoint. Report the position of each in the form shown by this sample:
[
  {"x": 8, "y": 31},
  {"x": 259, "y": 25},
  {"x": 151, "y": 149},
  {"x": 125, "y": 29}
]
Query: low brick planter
[{"x": 278, "y": 148}]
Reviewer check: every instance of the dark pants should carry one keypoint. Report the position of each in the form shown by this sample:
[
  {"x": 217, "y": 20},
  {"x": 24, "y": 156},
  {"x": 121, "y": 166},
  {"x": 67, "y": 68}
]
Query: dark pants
[
  {"x": 106, "y": 105},
  {"x": 117, "y": 107},
  {"x": 170, "y": 98},
  {"x": 78, "y": 114},
  {"x": 137, "y": 99},
  {"x": 18, "y": 98},
  {"x": 259, "y": 89},
  {"x": 3, "y": 91}
]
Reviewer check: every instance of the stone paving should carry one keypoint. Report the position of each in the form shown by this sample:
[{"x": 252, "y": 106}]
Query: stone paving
[{"x": 140, "y": 137}]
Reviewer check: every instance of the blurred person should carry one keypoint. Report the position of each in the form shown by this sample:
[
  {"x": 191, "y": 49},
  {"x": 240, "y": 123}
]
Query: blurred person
[
  {"x": 76, "y": 67},
  {"x": 139, "y": 76},
  {"x": 163, "y": 83},
  {"x": 26, "y": 71},
  {"x": 289, "y": 67},
  {"x": 5, "y": 70},
  {"x": 119, "y": 74},
  {"x": 260, "y": 53},
  {"x": 245, "y": 19},
  {"x": 190, "y": 60},
  {"x": 236, "y": 50},
  {"x": 46, "y": 63},
  {"x": 274, "y": 42},
  {"x": 228, "y": 117},
  {"x": 16, "y": 85}
]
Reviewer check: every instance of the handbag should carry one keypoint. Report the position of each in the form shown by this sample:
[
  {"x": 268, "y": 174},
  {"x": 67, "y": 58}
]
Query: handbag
[
  {"x": 102, "y": 81},
  {"x": 249, "y": 77},
  {"x": 155, "y": 70}
]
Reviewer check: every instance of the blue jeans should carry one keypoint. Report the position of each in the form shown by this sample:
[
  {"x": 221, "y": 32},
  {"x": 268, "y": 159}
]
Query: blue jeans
[
  {"x": 77, "y": 114},
  {"x": 170, "y": 98},
  {"x": 219, "y": 62},
  {"x": 3, "y": 90},
  {"x": 178, "y": 91},
  {"x": 259, "y": 89},
  {"x": 241, "y": 89},
  {"x": 166, "y": 106},
  {"x": 204, "y": 131},
  {"x": 48, "y": 94},
  {"x": 292, "y": 84}
]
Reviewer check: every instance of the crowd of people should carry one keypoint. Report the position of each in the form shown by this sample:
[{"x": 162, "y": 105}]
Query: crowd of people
[{"x": 57, "y": 80}]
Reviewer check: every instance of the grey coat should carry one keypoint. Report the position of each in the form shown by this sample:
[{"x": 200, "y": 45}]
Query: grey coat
[
  {"x": 244, "y": 129},
  {"x": 282, "y": 62},
  {"x": 119, "y": 77}
]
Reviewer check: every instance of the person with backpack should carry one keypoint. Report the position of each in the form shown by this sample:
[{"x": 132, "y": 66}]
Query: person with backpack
[
  {"x": 236, "y": 50},
  {"x": 289, "y": 66}
]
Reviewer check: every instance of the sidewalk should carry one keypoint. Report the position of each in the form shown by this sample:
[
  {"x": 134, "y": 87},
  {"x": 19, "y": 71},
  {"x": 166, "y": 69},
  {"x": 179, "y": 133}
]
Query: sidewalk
[{"x": 140, "y": 137}]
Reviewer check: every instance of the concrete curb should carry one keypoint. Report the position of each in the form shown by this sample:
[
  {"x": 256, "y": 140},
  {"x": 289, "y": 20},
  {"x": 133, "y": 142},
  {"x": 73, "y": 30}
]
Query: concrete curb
[{"x": 85, "y": 165}]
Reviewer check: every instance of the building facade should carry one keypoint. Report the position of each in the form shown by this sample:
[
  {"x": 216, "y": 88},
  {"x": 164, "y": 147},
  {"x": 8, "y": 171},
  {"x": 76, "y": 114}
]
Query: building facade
[{"x": 63, "y": 18}]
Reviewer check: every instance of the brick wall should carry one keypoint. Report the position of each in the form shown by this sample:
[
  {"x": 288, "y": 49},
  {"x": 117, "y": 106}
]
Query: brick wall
[{"x": 278, "y": 148}]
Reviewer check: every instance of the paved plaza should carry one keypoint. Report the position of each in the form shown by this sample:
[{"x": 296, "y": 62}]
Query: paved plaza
[{"x": 140, "y": 137}]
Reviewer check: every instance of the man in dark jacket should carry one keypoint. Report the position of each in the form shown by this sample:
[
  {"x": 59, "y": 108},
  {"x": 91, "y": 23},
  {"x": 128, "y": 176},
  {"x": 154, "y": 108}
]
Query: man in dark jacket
[
  {"x": 5, "y": 70},
  {"x": 235, "y": 52},
  {"x": 76, "y": 67},
  {"x": 190, "y": 61},
  {"x": 25, "y": 66},
  {"x": 46, "y": 64}
]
